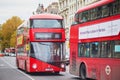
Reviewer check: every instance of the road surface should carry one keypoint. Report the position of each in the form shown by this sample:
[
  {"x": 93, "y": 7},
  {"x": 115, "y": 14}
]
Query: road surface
[{"x": 8, "y": 71}]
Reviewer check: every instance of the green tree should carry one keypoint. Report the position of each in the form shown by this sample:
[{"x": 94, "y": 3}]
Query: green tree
[
  {"x": 9, "y": 31},
  {"x": 13, "y": 39}
]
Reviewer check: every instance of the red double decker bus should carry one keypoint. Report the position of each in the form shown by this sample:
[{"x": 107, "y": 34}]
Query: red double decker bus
[
  {"x": 40, "y": 44},
  {"x": 95, "y": 41}
]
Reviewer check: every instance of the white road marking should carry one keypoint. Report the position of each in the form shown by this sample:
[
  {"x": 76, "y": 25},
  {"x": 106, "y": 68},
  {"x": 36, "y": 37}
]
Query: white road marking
[{"x": 17, "y": 69}]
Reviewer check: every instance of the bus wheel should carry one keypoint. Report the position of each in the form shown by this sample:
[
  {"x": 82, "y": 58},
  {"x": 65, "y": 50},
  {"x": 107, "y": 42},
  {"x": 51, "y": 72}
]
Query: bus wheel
[{"x": 83, "y": 72}]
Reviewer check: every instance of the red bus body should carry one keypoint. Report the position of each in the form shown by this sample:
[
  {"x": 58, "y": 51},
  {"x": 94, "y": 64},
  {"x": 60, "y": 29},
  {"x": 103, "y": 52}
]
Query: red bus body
[
  {"x": 35, "y": 44},
  {"x": 83, "y": 35}
]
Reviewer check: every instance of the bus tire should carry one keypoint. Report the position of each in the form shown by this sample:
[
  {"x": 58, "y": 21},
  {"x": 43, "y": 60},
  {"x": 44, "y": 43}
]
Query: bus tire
[{"x": 83, "y": 72}]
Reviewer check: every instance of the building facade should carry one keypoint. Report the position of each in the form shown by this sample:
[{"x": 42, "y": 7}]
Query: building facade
[
  {"x": 53, "y": 8},
  {"x": 40, "y": 9}
]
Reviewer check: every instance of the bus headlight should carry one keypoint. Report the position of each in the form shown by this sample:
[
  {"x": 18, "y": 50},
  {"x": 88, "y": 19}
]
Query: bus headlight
[
  {"x": 34, "y": 66},
  {"x": 62, "y": 65}
]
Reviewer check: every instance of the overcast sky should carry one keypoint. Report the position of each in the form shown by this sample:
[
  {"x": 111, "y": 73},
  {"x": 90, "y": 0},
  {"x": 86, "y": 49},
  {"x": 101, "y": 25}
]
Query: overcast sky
[{"x": 20, "y": 8}]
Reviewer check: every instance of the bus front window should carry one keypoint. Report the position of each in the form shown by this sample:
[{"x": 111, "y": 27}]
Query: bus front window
[
  {"x": 47, "y": 51},
  {"x": 46, "y": 23}
]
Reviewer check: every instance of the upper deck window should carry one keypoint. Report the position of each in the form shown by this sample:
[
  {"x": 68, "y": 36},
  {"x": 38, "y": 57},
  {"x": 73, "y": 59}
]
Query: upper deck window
[
  {"x": 46, "y": 23},
  {"x": 20, "y": 31},
  {"x": 99, "y": 12},
  {"x": 105, "y": 11}
]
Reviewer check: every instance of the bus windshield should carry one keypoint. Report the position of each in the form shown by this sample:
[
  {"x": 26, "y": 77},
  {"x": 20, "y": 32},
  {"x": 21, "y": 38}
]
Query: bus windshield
[
  {"x": 47, "y": 51},
  {"x": 46, "y": 23}
]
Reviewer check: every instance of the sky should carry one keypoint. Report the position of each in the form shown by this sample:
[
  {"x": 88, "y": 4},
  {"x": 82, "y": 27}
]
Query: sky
[{"x": 20, "y": 8}]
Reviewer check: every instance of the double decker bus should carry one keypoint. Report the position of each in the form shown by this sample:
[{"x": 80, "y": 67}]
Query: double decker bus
[
  {"x": 40, "y": 44},
  {"x": 95, "y": 41}
]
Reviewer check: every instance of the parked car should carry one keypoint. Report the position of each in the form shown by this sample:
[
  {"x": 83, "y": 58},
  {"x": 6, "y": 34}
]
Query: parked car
[{"x": 1, "y": 54}]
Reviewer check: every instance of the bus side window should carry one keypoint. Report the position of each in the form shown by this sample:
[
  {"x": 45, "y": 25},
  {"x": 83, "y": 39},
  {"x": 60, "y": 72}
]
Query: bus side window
[
  {"x": 84, "y": 17},
  {"x": 81, "y": 50},
  {"x": 105, "y": 10},
  {"x": 89, "y": 15},
  {"x": 94, "y": 49},
  {"x": 87, "y": 50},
  {"x": 111, "y": 9},
  {"x": 97, "y": 13},
  {"x": 116, "y": 49},
  {"x": 76, "y": 18},
  {"x": 32, "y": 50},
  {"x": 116, "y": 7},
  {"x": 93, "y": 14},
  {"x": 80, "y": 18},
  {"x": 31, "y": 23},
  {"x": 84, "y": 50},
  {"x": 106, "y": 48}
]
